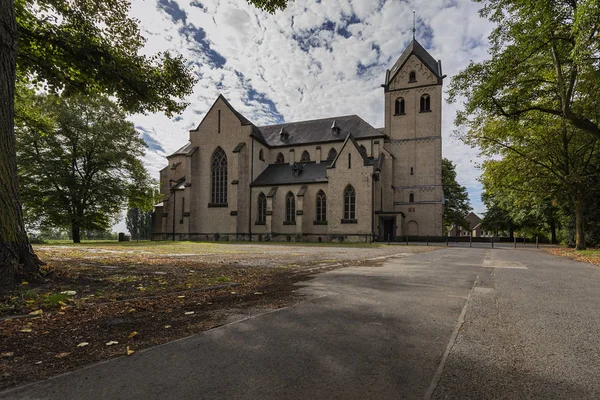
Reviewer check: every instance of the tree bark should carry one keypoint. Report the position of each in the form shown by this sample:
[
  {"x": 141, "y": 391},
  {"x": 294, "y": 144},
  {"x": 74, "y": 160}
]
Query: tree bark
[
  {"x": 579, "y": 232},
  {"x": 76, "y": 232},
  {"x": 17, "y": 259}
]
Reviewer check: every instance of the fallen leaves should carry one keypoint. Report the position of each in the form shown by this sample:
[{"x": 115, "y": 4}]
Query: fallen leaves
[
  {"x": 112, "y": 342},
  {"x": 36, "y": 312},
  {"x": 167, "y": 326},
  {"x": 7, "y": 354},
  {"x": 132, "y": 335},
  {"x": 62, "y": 355},
  {"x": 83, "y": 344},
  {"x": 130, "y": 351},
  {"x": 189, "y": 312},
  {"x": 26, "y": 330}
]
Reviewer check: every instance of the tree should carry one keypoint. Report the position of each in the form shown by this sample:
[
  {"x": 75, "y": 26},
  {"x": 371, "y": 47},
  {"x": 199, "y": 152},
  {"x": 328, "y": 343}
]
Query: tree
[
  {"x": 78, "y": 47},
  {"x": 545, "y": 59},
  {"x": 456, "y": 197},
  {"x": 139, "y": 214},
  {"x": 79, "y": 173},
  {"x": 543, "y": 161}
]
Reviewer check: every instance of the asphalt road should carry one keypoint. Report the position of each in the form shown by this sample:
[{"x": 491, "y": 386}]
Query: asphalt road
[{"x": 454, "y": 323}]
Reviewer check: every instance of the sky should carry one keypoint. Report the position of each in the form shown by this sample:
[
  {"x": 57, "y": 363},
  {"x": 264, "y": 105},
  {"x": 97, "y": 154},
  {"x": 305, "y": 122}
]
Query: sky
[{"x": 317, "y": 58}]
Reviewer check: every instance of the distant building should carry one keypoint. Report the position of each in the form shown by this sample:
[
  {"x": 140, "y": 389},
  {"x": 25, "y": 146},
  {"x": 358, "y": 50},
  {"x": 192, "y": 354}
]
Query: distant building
[
  {"x": 475, "y": 228},
  {"x": 336, "y": 178}
]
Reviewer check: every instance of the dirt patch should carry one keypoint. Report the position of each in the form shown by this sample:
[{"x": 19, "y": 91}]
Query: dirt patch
[
  {"x": 133, "y": 299},
  {"x": 586, "y": 256}
]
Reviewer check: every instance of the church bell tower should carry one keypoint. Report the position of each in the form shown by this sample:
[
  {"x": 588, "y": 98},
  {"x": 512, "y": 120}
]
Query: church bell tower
[{"x": 413, "y": 124}]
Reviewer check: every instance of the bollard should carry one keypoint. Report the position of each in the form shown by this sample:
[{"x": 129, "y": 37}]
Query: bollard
[
  {"x": 470, "y": 240},
  {"x": 407, "y": 240},
  {"x": 427, "y": 240},
  {"x": 515, "y": 242},
  {"x": 537, "y": 242},
  {"x": 492, "y": 242},
  {"x": 389, "y": 239},
  {"x": 447, "y": 243}
]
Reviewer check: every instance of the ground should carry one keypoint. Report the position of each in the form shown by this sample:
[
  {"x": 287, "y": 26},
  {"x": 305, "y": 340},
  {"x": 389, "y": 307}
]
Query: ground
[
  {"x": 141, "y": 294},
  {"x": 454, "y": 323}
]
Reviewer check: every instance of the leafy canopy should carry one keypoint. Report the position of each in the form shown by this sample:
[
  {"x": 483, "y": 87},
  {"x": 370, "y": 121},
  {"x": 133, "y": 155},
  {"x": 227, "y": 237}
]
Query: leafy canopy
[
  {"x": 79, "y": 160},
  {"x": 87, "y": 46},
  {"x": 545, "y": 58},
  {"x": 456, "y": 197}
]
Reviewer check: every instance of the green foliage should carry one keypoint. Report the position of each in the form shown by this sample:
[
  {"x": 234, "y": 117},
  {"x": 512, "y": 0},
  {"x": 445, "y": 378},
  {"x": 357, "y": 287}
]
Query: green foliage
[
  {"x": 456, "y": 197},
  {"x": 139, "y": 224},
  {"x": 544, "y": 59},
  {"x": 269, "y": 6},
  {"x": 94, "y": 46},
  {"x": 79, "y": 158}
]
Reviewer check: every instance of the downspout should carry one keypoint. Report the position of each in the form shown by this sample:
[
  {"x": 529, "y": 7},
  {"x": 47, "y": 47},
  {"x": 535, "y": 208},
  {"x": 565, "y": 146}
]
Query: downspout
[
  {"x": 174, "y": 198},
  {"x": 250, "y": 191},
  {"x": 372, "y": 207}
]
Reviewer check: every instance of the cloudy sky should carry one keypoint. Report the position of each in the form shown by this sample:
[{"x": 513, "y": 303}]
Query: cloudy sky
[{"x": 318, "y": 58}]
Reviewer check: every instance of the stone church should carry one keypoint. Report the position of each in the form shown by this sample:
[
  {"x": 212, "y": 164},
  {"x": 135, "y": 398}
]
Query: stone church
[{"x": 331, "y": 179}]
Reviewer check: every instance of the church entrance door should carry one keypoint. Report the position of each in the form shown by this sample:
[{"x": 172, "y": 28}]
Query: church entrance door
[{"x": 388, "y": 228}]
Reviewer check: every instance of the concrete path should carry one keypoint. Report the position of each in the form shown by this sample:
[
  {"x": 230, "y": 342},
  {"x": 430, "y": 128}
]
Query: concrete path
[{"x": 531, "y": 330}]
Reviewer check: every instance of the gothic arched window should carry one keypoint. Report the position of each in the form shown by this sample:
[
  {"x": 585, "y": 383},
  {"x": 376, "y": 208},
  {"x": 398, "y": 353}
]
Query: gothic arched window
[
  {"x": 349, "y": 203},
  {"x": 412, "y": 77},
  {"x": 321, "y": 206},
  {"x": 425, "y": 103},
  {"x": 399, "y": 106},
  {"x": 332, "y": 154},
  {"x": 290, "y": 207},
  {"x": 219, "y": 177},
  {"x": 261, "y": 155},
  {"x": 279, "y": 159},
  {"x": 305, "y": 157},
  {"x": 411, "y": 198},
  {"x": 262, "y": 209}
]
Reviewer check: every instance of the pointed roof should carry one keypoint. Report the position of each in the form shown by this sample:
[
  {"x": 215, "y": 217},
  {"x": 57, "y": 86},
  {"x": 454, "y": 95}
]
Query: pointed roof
[
  {"x": 350, "y": 139},
  {"x": 243, "y": 120},
  {"x": 415, "y": 48}
]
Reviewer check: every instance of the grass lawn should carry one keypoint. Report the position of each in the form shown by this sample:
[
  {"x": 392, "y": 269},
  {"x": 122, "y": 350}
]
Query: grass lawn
[{"x": 139, "y": 294}]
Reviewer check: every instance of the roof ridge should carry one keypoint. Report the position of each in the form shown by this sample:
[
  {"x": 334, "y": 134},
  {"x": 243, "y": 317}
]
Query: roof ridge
[{"x": 311, "y": 120}]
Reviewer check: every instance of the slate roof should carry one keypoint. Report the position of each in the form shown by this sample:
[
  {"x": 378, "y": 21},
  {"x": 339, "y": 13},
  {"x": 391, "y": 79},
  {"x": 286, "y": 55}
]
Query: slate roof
[
  {"x": 281, "y": 174},
  {"x": 316, "y": 131},
  {"x": 182, "y": 151},
  {"x": 416, "y": 48}
]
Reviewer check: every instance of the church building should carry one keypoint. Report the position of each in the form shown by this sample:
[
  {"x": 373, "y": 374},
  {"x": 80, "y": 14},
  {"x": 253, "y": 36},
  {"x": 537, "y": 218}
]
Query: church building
[{"x": 331, "y": 179}]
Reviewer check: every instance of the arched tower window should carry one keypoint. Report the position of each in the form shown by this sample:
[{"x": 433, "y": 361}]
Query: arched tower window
[
  {"x": 262, "y": 208},
  {"x": 363, "y": 150},
  {"x": 305, "y": 156},
  {"x": 411, "y": 198},
  {"x": 261, "y": 155},
  {"x": 425, "y": 103},
  {"x": 349, "y": 203},
  {"x": 399, "y": 109},
  {"x": 290, "y": 207},
  {"x": 332, "y": 154},
  {"x": 412, "y": 77},
  {"x": 280, "y": 159},
  {"x": 321, "y": 206},
  {"x": 219, "y": 177}
]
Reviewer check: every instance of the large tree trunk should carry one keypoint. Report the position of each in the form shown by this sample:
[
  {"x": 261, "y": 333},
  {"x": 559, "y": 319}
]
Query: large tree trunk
[
  {"x": 553, "y": 230},
  {"x": 579, "y": 232},
  {"x": 76, "y": 232},
  {"x": 17, "y": 259}
]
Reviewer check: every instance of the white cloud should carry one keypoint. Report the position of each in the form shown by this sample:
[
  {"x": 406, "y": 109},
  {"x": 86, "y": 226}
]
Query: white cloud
[{"x": 307, "y": 71}]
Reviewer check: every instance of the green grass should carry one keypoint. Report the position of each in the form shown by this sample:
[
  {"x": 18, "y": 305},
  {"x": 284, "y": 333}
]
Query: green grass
[
  {"x": 148, "y": 243},
  {"x": 53, "y": 300}
]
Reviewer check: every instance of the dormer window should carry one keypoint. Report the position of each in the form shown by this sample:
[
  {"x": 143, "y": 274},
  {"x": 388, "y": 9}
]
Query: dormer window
[
  {"x": 335, "y": 129},
  {"x": 280, "y": 159},
  {"x": 412, "y": 77},
  {"x": 283, "y": 134},
  {"x": 297, "y": 169}
]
